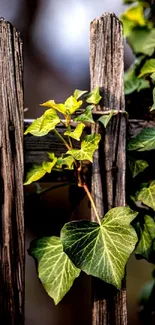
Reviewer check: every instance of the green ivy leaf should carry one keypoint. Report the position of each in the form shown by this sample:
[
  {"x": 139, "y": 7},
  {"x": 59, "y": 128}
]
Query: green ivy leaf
[
  {"x": 147, "y": 235},
  {"x": 144, "y": 141},
  {"x": 153, "y": 76},
  {"x": 137, "y": 166},
  {"x": 131, "y": 82},
  {"x": 86, "y": 116},
  {"x": 102, "y": 251},
  {"x": 147, "y": 195},
  {"x": 55, "y": 270},
  {"x": 34, "y": 174},
  {"x": 65, "y": 161},
  {"x": 142, "y": 40},
  {"x": 76, "y": 134},
  {"x": 153, "y": 106},
  {"x": 79, "y": 93},
  {"x": 128, "y": 25},
  {"x": 143, "y": 84},
  {"x": 94, "y": 96},
  {"x": 88, "y": 146},
  {"x": 51, "y": 104},
  {"x": 44, "y": 124},
  {"x": 72, "y": 105},
  {"x": 148, "y": 67},
  {"x": 136, "y": 15},
  {"x": 105, "y": 119}
]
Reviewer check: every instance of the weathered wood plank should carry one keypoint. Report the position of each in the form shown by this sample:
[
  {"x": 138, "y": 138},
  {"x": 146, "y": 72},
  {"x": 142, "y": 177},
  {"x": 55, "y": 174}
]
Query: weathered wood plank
[
  {"x": 108, "y": 170},
  {"x": 11, "y": 174}
]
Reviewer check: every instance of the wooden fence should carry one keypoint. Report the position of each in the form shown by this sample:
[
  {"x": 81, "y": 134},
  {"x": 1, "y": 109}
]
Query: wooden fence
[{"x": 108, "y": 173}]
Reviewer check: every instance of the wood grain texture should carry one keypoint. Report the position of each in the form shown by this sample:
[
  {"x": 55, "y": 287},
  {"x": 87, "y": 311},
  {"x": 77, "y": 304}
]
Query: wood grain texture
[
  {"x": 109, "y": 165},
  {"x": 11, "y": 175}
]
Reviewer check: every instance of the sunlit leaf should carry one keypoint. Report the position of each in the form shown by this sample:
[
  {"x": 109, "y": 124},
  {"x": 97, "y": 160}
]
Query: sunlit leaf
[
  {"x": 34, "y": 174},
  {"x": 105, "y": 119},
  {"x": 68, "y": 162},
  {"x": 72, "y": 105},
  {"x": 88, "y": 146},
  {"x": 147, "y": 235},
  {"x": 148, "y": 67},
  {"x": 102, "y": 251},
  {"x": 144, "y": 141},
  {"x": 86, "y": 116},
  {"x": 94, "y": 96},
  {"x": 142, "y": 40},
  {"x": 79, "y": 93},
  {"x": 136, "y": 14},
  {"x": 47, "y": 165},
  {"x": 137, "y": 166},
  {"x": 128, "y": 25},
  {"x": 44, "y": 124},
  {"x": 76, "y": 134},
  {"x": 59, "y": 107},
  {"x": 147, "y": 195},
  {"x": 55, "y": 270}
]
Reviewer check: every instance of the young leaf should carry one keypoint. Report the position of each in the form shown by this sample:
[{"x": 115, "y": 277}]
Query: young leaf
[
  {"x": 105, "y": 119},
  {"x": 148, "y": 67},
  {"x": 67, "y": 161},
  {"x": 136, "y": 15},
  {"x": 147, "y": 235},
  {"x": 102, "y": 251},
  {"x": 34, "y": 174},
  {"x": 147, "y": 195},
  {"x": 79, "y": 93},
  {"x": 94, "y": 97},
  {"x": 142, "y": 40},
  {"x": 47, "y": 165},
  {"x": 51, "y": 104},
  {"x": 88, "y": 146},
  {"x": 137, "y": 166},
  {"x": 86, "y": 116},
  {"x": 144, "y": 141},
  {"x": 76, "y": 134},
  {"x": 44, "y": 124},
  {"x": 72, "y": 105},
  {"x": 55, "y": 270}
]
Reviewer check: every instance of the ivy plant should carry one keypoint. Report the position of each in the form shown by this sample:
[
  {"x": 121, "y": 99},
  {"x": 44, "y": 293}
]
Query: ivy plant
[{"x": 100, "y": 248}]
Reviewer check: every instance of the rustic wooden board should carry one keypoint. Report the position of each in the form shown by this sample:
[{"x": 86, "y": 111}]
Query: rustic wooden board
[
  {"x": 11, "y": 175},
  {"x": 109, "y": 167}
]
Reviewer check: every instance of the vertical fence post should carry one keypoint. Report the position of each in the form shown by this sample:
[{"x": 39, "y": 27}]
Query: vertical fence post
[
  {"x": 11, "y": 177},
  {"x": 108, "y": 174}
]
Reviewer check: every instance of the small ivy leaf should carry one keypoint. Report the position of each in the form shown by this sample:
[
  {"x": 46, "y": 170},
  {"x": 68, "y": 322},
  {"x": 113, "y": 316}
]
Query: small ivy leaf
[
  {"x": 76, "y": 134},
  {"x": 137, "y": 166},
  {"x": 67, "y": 161},
  {"x": 88, "y": 146},
  {"x": 153, "y": 106},
  {"x": 134, "y": 15},
  {"x": 128, "y": 25},
  {"x": 86, "y": 116},
  {"x": 143, "y": 84},
  {"x": 102, "y": 251},
  {"x": 148, "y": 67},
  {"x": 48, "y": 166},
  {"x": 153, "y": 76},
  {"x": 79, "y": 93},
  {"x": 55, "y": 270},
  {"x": 72, "y": 105},
  {"x": 105, "y": 119},
  {"x": 142, "y": 40},
  {"x": 34, "y": 174},
  {"x": 144, "y": 141},
  {"x": 147, "y": 195},
  {"x": 59, "y": 107},
  {"x": 147, "y": 235},
  {"x": 94, "y": 96},
  {"x": 44, "y": 124}
]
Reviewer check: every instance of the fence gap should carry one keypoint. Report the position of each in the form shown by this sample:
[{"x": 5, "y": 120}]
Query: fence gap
[
  {"x": 11, "y": 177},
  {"x": 108, "y": 170}
]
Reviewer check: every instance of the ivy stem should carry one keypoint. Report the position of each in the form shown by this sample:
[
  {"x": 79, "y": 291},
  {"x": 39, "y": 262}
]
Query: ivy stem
[
  {"x": 62, "y": 139},
  {"x": 92, "y": 203}
]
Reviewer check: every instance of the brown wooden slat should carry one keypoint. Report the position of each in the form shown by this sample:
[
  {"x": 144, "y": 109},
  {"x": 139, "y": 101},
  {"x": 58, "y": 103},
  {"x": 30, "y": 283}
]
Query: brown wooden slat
[
  {"x": 108, "y": 170},
  {"x": 11, "y": 174}
]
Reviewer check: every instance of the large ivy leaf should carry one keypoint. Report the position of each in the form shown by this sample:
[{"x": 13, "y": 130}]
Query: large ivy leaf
[
  {"x": 102, "y": 250},
  {"x": 147, "y": 195},
  {"x": 44, "y": 124},
  {"x": 88, "y": 146},
  {"x": 79, "y": 93},
  {"x": 94, "y": 96},
  {"x": 144, "y": 141},
  {"x": 148, "y": 67},
  {"x": 55, "y": 270},
  {"x": 137, "y": 166},
  {"x": 147, "y": 235},
  {"x": 142, "y": 40},
  {"x": 86, "y": 116},
  {"x": 76, "y": 134}
]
